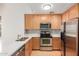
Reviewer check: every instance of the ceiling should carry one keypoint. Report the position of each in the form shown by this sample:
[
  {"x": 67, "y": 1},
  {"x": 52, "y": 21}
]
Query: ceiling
[{"x": 58, "y": 8}]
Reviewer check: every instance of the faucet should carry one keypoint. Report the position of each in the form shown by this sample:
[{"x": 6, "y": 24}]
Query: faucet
[{"x": 18, "y": 36}]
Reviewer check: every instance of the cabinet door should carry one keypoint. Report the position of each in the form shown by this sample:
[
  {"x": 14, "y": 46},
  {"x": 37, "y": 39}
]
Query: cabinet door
[
  {"x": 36, "y": 42},
  {"x": 28, "y": 48},
  {"x": 45, "y": 18},
  {"x": 56, "y": 42},
  {"x": 73, "y": 12},
  {"x": 65, "y": 16},
  {"x": 56, "y": 22},
  {"x": 28, "y": 21},
  {"x": 36, "y": 22}
]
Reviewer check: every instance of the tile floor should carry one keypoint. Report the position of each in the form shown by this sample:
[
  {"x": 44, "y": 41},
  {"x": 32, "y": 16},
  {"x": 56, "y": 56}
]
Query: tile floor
[{"x": 46, "y": 53}]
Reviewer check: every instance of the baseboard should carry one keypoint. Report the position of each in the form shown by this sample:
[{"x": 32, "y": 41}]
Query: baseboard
[
  {"x": 56, "y": 49},
  {"x": 35, "y": 49}
]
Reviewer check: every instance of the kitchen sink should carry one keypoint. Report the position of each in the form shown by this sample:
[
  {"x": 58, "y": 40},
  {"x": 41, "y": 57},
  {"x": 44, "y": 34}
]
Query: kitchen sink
[{"x": 22, "y": 39}]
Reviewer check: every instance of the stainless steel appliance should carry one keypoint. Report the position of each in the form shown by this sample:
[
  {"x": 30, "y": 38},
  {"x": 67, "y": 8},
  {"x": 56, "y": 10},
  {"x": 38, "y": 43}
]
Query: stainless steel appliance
[
  {"x": 45, "y": 25},
  {"x": 46, "y": 38},
  {"x": 46, "y": 42},
  {"x": 70, "y": 38}
]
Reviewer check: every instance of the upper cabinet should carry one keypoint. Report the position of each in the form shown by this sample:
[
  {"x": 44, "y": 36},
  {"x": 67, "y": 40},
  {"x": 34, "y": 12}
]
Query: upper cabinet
[
  {"x": 45, "y": 18},
  {"x": 56, "y": 21},
  {"x": 39, "y": 18},
  {"x": 65, "y": 16},
  {"x": 71, "y": 13},
  {"x": 28, "y": 22},
  {"x": 32, "y": 21},
  {"x": 74, "y": 12},
  {"x": 35, "y": 22}
]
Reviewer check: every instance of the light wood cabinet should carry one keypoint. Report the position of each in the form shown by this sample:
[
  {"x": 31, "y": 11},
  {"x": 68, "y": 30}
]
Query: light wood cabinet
[
  {"x": 39, "y": 18},
  {"x": 28, "y": 21},
  {"x": 36, "y": 43},
  {"x": 71, "y": 13},
  {"x": 65, "y": 16},
  {"x": 74, "y": 11},
  {"x": 36, "y": 21},
  {"x": 56, "y": 42},
  {"x": 45, "y": 18},
  {"x": 32, "y": 21},
  {"x": 28, "y": 48},
  {"x": 56, "y": 21}
]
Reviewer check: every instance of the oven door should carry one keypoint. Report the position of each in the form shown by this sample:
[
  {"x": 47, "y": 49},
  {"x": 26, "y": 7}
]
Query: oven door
[{"x": 46, "y": 41}]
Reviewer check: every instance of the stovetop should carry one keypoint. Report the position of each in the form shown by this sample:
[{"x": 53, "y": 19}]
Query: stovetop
[{"x": 45, "y": 36}]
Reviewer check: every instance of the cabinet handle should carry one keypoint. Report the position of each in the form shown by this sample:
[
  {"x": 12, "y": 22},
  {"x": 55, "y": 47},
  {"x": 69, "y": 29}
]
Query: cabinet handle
[
  {"x": 17, "y": 53},
  {"x": 21, "y": 48}
]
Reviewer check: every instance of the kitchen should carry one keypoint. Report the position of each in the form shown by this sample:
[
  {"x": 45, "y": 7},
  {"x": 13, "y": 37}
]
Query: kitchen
[{"x": 42, "y": 29}]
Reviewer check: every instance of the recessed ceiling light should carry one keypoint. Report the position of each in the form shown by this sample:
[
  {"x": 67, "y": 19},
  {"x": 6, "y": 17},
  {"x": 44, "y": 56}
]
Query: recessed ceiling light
[{"x": 47, "y": 6}]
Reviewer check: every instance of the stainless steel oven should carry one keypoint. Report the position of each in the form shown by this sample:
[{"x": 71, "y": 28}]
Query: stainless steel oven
[{"x": 46, "y": 42}]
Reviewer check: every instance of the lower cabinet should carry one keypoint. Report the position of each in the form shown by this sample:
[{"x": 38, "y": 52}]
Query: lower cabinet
[
  {"x": 56, "y": 42},
  {"x": 28, "y": 48},
  {"x": 35, "y": 43}
]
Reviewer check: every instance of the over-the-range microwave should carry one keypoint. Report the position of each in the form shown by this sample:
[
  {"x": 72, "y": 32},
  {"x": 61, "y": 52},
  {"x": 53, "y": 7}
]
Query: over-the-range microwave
[{"x": 45, "y": 25}]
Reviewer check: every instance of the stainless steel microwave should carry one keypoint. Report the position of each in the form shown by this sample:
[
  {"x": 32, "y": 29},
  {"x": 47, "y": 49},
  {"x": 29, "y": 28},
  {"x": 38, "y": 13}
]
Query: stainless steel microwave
[{"x": 45, "y": 26}]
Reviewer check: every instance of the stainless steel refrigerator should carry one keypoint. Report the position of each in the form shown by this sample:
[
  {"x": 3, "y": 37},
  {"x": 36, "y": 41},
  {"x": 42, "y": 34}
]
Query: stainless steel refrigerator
[{"x": 70, "y": 38}]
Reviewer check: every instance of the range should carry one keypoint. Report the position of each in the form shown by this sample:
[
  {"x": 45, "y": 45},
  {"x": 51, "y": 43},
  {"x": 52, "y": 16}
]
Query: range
[{"x": 46, "y": 38}]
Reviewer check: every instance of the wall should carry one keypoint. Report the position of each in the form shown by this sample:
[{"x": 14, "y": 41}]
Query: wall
[
  {"x": 1, "y": 9},
  {"x": 12, "y": 22}
]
